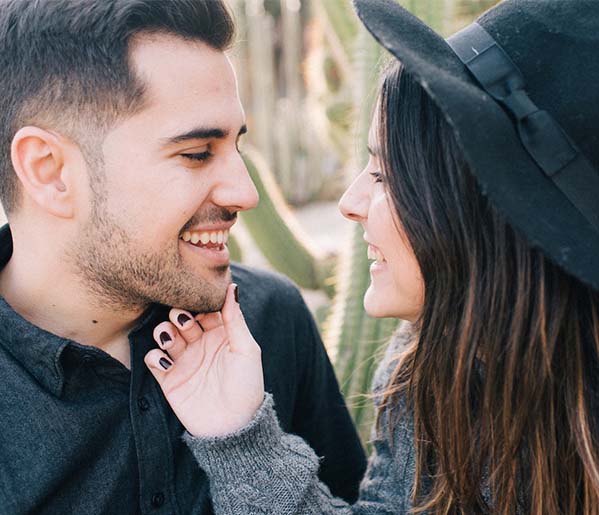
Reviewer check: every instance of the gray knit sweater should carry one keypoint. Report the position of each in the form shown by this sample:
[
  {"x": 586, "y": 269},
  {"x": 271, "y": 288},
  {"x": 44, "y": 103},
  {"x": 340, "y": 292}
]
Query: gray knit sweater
[{"x": 262, "y": 470}]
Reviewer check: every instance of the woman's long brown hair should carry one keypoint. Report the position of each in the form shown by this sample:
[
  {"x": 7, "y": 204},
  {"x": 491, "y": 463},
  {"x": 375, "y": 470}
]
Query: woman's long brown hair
[{"x": 502, "y": 380}]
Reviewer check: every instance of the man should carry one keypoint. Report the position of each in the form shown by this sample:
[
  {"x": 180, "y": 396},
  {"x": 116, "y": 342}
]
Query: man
[{"x": 120, "y": 177}]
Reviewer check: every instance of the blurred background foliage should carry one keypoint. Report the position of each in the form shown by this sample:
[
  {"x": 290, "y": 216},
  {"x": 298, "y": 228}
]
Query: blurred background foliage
[{"x": 308, "y": 76}]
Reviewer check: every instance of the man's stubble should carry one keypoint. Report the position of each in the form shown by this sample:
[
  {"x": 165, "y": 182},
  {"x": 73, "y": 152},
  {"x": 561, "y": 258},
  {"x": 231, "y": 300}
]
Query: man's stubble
[{"x": 118, "y": 271}]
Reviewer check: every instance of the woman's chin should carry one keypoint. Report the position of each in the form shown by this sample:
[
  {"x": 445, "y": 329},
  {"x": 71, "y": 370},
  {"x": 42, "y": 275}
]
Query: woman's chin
[
  {"x": 375, "y": 304},
  {"x": 385, "y": 305}
]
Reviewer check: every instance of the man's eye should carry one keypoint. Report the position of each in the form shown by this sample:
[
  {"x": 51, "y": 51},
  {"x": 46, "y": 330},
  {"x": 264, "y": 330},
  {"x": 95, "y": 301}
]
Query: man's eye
[
  {"x": 378, "y": 176},
  {"x": 201, "y": 156}
]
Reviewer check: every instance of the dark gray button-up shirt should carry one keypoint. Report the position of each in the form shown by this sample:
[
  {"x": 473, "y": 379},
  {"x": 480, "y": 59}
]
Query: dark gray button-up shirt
[{"x": 81, "y": 433}]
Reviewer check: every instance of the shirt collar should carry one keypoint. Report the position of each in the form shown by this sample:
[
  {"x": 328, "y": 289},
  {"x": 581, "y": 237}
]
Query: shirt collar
[{"x": 37, "y": 350}]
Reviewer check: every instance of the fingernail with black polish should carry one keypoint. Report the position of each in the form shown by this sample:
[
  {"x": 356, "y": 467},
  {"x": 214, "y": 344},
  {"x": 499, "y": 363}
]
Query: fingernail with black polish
[
  {"x": 165, "y": 363},
  {"x": 182, "y": 318},
  {"x": 165, "y": 337},
  {"x": 237, "y": 294}
]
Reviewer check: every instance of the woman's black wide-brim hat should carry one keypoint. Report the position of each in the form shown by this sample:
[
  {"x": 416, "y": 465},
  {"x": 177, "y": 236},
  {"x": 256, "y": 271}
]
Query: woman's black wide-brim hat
[{"x": 520, "y": 88}]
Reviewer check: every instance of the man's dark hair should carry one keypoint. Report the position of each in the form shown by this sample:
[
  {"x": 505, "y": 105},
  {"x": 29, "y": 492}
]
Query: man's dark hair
[{"x": 64, "y": 63}]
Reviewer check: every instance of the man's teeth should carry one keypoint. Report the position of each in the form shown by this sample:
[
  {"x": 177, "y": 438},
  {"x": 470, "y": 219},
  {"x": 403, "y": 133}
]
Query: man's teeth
[
  {"x": 206, "y": 237},
  {"x": 375, "y": 254}
]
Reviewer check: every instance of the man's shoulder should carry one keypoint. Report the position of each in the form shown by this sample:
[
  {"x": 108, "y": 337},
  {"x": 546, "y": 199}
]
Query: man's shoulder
[{"x": 275, "y": 312}]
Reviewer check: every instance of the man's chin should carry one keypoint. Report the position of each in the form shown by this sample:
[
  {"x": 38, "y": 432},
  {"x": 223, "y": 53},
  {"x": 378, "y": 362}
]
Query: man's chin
[
  {"x": 213, "y": 294},
  {"x": 224, "y": 270}
]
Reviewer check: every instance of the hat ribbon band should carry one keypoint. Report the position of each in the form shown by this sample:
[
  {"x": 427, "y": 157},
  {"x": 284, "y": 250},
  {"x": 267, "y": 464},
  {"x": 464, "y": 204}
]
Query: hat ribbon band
[{"x": 541, "y": 135}]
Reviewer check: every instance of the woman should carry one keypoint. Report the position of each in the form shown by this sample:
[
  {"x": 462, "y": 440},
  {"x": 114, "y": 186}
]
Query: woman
[{"x": 481, "y": 215}]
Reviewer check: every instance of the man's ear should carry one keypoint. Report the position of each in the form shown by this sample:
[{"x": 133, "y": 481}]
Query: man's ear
[{"x": 38, "y": 158}]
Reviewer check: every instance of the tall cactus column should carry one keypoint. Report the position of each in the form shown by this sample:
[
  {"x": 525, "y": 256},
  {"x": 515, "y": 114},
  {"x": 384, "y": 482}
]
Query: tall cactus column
[{"x": 260, "y": 43}]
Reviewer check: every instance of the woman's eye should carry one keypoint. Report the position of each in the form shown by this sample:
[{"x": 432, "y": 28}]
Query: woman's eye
[
  {"x": 200, "y": 156},
  {"x": 378, "y": 176}
]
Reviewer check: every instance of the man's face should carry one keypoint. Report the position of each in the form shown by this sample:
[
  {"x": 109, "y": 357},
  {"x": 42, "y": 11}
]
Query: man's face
[{"x": 171, "y": 173}]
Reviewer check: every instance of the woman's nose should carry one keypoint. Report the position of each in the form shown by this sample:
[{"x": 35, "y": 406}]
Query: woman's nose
[{"x": 354, "y": 202}]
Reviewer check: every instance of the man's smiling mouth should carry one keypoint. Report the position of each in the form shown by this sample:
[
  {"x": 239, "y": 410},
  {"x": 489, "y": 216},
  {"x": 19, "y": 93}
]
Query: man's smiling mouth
[{"x": 207, "y": 239}]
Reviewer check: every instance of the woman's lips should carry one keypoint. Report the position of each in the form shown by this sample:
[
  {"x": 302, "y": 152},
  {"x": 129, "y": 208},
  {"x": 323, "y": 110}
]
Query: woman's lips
[
  {"x": 375, "y": 254},
  {"x": 379, "y": 263}
]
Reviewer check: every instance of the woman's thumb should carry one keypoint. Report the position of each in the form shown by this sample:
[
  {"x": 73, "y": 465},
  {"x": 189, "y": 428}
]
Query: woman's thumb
[{"x": 240, "y": 338}]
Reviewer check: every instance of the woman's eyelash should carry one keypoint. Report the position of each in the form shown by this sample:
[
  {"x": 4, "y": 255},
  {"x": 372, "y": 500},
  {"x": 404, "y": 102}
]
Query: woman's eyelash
[
  {"x": 378, "y": 176},
  {"x": 202, "y": 156}
]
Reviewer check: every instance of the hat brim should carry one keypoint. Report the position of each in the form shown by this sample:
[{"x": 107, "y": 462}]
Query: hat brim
[{"x": 504, "y": 170}]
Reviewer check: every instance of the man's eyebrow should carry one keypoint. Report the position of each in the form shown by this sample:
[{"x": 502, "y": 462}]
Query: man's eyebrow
[{"x": 202, "y": 133}]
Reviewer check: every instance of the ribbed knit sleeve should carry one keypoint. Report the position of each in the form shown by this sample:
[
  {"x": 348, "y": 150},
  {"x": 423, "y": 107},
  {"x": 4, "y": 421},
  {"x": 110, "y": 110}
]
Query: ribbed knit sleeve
[{"x": 262, "y": 470}]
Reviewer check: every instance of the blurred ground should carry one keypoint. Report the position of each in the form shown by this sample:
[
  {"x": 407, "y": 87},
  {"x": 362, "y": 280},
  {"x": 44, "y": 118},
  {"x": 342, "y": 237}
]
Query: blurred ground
[{"x": 323, "y": 223}]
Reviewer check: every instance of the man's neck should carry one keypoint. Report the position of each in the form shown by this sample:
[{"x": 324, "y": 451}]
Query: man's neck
[{"x": 50, "y": 297}]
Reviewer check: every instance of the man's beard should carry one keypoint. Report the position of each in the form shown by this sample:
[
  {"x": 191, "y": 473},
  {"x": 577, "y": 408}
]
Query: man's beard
[{"x": 116, "y": 270}]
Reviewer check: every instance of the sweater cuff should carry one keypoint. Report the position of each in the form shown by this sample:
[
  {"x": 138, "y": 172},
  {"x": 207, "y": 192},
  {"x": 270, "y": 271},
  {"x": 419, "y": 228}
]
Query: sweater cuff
[{"x": 250, "y": 447}]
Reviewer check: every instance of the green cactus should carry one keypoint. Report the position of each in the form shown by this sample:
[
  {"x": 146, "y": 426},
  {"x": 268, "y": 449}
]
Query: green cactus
[
  {"x": 260, "y": 51},
  {"x": 234, "y": 249},
  {"x": 342, "y": 20},
  {"x": 341, "y": 27},
  {"x": 277, "y": 233}
]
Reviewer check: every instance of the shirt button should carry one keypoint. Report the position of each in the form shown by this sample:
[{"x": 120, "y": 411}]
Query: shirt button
[
  {"x": 158, "y": 500},
  {"x": 143, "y": 404}
]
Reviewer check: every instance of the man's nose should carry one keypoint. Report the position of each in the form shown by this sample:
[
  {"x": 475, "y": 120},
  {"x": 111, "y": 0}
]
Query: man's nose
[{"x": 238, "y": 190}]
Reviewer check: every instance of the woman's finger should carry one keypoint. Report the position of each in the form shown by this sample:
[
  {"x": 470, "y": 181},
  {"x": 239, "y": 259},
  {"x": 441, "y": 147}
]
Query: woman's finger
[
  {"x": 168, "y": 338},
  {"x": 240, "y": 338},
  {"x": 210, "y": 321},
  {"x": 187, "y": 326},
  {"x": 159, "y": 364}
]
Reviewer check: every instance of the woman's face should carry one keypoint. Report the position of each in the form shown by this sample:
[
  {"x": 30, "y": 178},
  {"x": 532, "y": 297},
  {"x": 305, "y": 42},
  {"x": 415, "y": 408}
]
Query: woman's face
[{"x": 396, "y": 287}]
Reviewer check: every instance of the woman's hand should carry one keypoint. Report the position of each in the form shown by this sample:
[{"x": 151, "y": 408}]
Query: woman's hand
[{"x": 212, "y": 375}]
